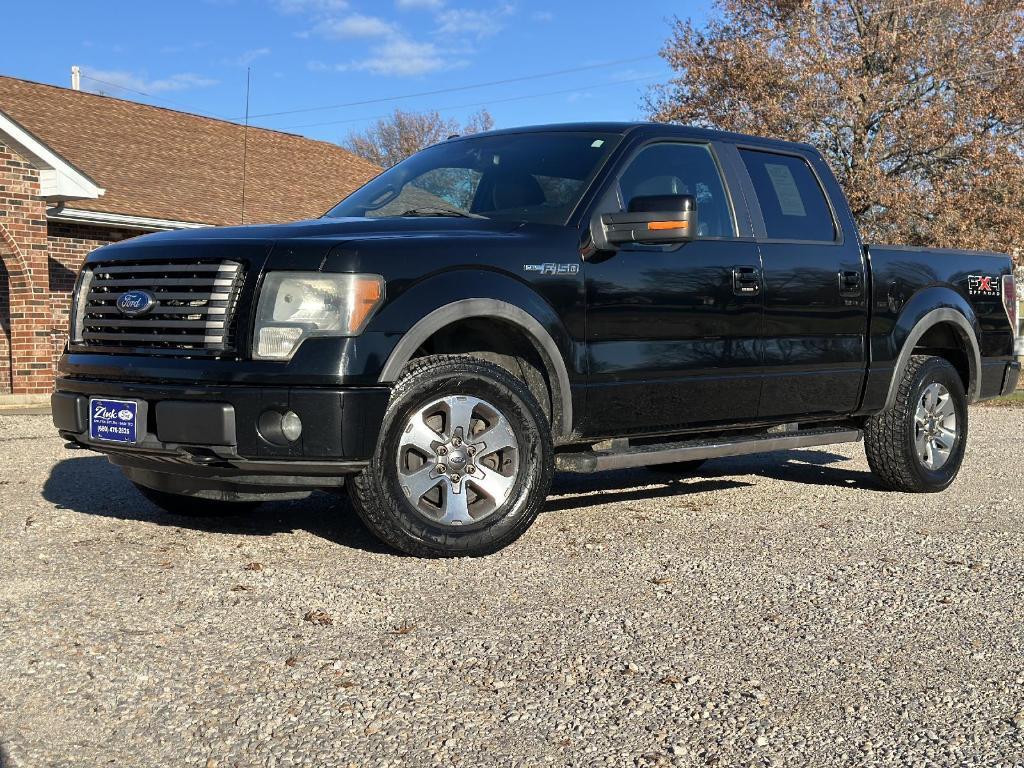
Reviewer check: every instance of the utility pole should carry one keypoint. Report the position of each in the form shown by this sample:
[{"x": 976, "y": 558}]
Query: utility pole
[
  {"x": 76, "y": 78},
  {"x": 245, "y": 137}
]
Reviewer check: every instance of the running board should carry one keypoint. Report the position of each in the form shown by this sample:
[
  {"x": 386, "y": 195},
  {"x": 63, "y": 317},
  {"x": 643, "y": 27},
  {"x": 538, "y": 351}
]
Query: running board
[{"x": 692, "y": 450}]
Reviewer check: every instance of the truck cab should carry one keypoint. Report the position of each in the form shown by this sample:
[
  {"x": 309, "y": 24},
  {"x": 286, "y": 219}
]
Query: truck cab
[{"x": 580, "y": 297}]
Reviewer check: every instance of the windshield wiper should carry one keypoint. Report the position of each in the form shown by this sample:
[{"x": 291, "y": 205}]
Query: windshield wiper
[{"x": 442, "y": 212}]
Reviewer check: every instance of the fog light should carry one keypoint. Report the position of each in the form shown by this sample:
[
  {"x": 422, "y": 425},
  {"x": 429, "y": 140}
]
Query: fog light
[
  {"x": 280, "y": 428},
  {"x": 291, "y": 426}
]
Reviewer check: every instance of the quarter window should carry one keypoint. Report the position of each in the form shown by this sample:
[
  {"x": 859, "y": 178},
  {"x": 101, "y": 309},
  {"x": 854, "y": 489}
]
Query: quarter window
[
  {"x": 793, "y": 204},
  {"x": 681, "y": 169}
]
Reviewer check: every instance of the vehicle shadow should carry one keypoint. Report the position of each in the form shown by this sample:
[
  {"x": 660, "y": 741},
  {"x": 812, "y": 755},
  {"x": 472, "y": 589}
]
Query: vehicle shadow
[
  {"x": 805, "y": 466},
  {"x": 92, "y": 486},
  {"x": 808, "y": 467}
]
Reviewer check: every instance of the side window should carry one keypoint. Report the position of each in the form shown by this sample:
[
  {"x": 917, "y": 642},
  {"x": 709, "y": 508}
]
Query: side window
[
  {"x": 792, "y": 202},
  {"x": 681, "y": 169}
]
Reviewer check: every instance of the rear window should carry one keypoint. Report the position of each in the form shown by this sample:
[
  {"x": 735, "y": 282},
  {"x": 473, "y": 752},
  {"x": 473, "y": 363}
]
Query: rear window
[{"x": 792, "y": 202}]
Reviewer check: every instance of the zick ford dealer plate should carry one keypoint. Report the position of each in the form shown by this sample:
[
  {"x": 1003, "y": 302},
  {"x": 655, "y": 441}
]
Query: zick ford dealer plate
[{"x": 113, "y": 420}]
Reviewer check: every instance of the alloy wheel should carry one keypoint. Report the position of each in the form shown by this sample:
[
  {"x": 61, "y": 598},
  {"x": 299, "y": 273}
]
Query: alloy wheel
[
  {"x": 458, "y": 460},
  {"x": 935, "y": 426}
]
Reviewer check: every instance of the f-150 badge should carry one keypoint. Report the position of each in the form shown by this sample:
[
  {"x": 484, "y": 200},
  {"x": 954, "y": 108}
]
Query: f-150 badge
[
  {"x": 982, "y": 285},
  {"x": 551, "y": 268}
]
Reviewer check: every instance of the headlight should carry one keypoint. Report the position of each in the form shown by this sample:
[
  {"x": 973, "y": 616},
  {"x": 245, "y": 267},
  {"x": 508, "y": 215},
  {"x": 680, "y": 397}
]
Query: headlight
[
  {"x": 294, "y": 306},
  {"x": 79, "y": 300}
]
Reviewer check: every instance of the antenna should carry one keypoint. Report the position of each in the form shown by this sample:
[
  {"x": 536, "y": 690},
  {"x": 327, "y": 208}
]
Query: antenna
[
  {"x": 76, "y": 78},
  {"x": 245, "y": 137}
]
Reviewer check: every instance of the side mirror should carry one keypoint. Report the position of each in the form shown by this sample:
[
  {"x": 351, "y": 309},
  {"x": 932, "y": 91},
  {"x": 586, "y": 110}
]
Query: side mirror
[{"x": 653, "y": 219}]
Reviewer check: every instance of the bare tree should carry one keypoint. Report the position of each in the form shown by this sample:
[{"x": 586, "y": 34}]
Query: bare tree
[
  {"x": 392, "y": 139},
  {"x": 918, "y": 105}
]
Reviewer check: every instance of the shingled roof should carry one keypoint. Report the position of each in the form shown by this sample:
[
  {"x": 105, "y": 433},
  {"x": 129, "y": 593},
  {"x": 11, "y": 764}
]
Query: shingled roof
[{"x": 162, "y": 164}]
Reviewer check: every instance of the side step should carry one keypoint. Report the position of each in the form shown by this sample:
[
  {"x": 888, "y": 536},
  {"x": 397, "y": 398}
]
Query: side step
[{"x": 691, "y": 450}]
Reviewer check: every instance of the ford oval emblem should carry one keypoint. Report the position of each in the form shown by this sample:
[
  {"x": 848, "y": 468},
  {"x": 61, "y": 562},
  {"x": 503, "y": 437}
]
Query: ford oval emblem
[{"x": 136, "y": 303}]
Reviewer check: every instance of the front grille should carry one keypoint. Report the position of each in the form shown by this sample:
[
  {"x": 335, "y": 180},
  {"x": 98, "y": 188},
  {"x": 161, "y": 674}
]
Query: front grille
[{"x": 193, "y": 314}]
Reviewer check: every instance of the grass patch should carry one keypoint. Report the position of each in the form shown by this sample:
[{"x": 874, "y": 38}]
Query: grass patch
[{"x": 1013, "y": 400}]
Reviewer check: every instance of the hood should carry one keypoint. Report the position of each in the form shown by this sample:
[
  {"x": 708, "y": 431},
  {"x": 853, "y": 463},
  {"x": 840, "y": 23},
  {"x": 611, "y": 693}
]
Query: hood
[{"x": 340, "y": 230}]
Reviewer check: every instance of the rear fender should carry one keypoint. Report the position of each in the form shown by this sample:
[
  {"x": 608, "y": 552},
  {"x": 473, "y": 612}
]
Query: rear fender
[{"x": 925, "y": 310}]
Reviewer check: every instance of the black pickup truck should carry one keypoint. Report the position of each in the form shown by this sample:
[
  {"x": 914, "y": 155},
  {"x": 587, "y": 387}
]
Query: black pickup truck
[{"x": 499, "y": 306}]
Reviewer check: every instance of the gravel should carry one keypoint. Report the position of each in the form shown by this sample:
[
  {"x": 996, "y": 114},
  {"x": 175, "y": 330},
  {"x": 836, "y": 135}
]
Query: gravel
[{"x": 775, "y": 610}]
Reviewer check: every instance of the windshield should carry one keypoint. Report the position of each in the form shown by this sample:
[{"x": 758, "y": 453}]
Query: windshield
[{"x": 530, "y": 177}]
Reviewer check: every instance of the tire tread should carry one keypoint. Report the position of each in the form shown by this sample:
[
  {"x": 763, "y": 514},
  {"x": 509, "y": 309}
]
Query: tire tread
[
  {"x": 885, "y": 433},
  {"x": 370, "y": 504}
]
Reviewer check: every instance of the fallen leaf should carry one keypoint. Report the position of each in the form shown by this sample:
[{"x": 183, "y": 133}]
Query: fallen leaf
[
  {"x": 254, "y": 567},
  {"x": 291, "y": 661},
  {"x": 318, "y": 616},
  {"x": 404, "y": 628}
]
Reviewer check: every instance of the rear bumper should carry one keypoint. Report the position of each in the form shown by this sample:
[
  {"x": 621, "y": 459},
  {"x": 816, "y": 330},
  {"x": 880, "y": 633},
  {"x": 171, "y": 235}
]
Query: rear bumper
[
  {"x": 211, "y": 435},
  {"x": 1011, "y": 377},
  {"x": 998, "y": 378}
]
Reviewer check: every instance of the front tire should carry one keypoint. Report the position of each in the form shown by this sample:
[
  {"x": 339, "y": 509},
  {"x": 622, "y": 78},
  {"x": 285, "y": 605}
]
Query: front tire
[
  {"x": 463, "y": 464},
  {"x": 917, "y": 446}
]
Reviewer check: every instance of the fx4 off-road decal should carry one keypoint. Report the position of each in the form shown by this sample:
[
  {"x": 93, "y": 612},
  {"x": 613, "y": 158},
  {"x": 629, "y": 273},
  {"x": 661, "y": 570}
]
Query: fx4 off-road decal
[
  {"x": 982, "y": 285},
  {"x": 550, "y": 268}
]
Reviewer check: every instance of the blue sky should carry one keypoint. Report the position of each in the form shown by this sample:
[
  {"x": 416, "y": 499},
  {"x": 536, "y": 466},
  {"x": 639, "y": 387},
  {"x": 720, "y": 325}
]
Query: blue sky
[{"x": 310, "y": 54}]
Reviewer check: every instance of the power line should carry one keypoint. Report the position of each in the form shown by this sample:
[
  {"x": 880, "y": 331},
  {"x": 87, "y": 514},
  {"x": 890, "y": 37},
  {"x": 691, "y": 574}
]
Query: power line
[
  {"x": 147, "y": 95},
  {"x": 484, "y": 103},
  {"x": 438, "y": 91}
]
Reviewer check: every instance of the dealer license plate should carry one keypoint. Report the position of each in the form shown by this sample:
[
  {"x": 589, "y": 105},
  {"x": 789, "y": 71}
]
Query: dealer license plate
[{"x": 115, "y": 421}]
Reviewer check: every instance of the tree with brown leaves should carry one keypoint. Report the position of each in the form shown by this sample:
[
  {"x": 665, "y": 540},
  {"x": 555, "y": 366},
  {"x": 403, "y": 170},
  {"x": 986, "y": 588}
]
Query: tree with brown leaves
[
  {"x": 918, "y": 105},
  {"x": 394, "y": 138}
]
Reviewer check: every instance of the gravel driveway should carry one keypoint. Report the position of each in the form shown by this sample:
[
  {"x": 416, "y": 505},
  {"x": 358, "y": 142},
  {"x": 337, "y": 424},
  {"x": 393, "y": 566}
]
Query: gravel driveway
[{"x": 777, "y": 610}]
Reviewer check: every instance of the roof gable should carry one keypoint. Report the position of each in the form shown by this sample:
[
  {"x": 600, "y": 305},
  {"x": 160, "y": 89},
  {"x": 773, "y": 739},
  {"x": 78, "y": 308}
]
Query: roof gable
[
  {"x": 162, "y": 164},
  {"x": 59, "y": 180}
]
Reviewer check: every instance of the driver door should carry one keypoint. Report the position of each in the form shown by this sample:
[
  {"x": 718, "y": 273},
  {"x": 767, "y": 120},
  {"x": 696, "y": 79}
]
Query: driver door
[{"x": 674, "y": 332}]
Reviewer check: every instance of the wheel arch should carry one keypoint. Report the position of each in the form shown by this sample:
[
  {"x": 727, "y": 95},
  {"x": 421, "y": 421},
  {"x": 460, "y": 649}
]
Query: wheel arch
[
  {"x": 934, "y": 324},
  {"x": 493, "y": 310}
]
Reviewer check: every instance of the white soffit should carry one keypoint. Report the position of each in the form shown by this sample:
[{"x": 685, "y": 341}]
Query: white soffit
[{"x": 76, "y": 215}]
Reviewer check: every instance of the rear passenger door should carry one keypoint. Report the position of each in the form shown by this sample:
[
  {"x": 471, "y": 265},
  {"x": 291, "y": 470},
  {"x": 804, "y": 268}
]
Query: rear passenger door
[{"x": 815, "y": 291}]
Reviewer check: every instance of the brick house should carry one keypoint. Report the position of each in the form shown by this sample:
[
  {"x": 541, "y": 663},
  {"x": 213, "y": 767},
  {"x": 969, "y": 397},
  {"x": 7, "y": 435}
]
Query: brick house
[{"x": 78, "y": 170}]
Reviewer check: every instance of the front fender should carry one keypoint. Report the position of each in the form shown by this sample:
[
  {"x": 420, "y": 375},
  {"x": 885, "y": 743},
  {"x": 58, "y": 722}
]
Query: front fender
[{"x": 435, "y": 302}]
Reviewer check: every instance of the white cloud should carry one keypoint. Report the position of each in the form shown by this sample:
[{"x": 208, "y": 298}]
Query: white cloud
[
  {"x": 98, "y": 80},
  {"x": 355, "y": 25},
  {"x": 465, "y": 21},
  {"x": 312, "y": 6},
  {"x": 430, "y": 4},
  {"x": 248, "y": 57},
  {"x": 402, "y": 57},
  {"x": 542, "y": 16}
]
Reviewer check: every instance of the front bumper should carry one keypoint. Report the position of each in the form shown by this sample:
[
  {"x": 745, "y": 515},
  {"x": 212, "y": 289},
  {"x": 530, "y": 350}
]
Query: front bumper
[{"x": 207, "y": 437}]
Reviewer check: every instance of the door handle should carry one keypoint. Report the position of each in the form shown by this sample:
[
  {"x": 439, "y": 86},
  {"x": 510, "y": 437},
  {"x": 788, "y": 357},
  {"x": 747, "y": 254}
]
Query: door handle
[
  {"x": 850, "y": 283},
  {"x": 746, "y": 281}
]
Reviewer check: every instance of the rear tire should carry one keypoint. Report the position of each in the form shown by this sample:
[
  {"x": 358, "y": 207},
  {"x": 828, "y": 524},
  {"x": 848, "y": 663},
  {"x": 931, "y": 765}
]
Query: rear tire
[
  {"x": 917, "y": 446},
  {"x": 463, "y": 464},
  {"x": 191, "y": 506}
]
